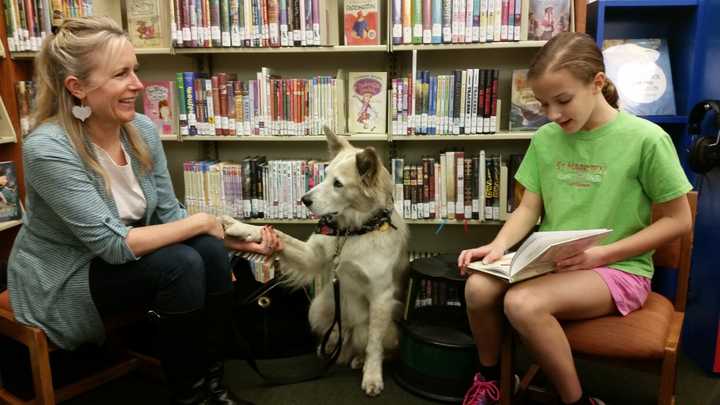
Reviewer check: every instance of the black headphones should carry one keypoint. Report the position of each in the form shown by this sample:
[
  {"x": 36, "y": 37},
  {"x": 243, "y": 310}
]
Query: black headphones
[{"x": 705, "y": 151}]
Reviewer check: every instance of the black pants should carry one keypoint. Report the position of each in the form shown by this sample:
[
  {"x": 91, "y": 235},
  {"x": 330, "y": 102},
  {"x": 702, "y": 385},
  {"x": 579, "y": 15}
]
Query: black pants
[{"x": 171, "y": 280}]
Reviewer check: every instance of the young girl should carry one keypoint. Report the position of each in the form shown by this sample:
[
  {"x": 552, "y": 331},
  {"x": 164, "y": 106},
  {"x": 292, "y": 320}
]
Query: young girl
[{"x": 591, "y": 167}]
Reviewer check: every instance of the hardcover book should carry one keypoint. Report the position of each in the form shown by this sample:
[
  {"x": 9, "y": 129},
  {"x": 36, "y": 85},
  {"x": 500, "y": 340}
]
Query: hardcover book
[
  {"x": 367, "y": 102},
  {"x": 538, "y": 254},
  {"x": 159, "y": 105},
  {"x": 361, "y": 22},
  {"x": 525, "y": 110},
  {"x": 547, "y": 18},
  {"x": 640, "y": 70},
  {"x": 9, "y": 200}
]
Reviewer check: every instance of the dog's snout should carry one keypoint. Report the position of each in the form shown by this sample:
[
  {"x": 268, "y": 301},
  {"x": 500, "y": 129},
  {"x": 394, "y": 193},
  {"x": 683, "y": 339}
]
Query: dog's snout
[{"x": 306, "y": 200}]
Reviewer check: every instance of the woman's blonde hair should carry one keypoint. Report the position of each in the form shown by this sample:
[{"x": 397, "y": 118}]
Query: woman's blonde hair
[
  {"x": 77, "y": 49},
  {"x": 578, "y": 54}
]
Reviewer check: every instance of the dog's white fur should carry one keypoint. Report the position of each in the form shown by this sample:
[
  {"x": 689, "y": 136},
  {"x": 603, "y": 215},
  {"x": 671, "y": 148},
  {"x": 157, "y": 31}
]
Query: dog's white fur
[{"x": 371, "y": 267}]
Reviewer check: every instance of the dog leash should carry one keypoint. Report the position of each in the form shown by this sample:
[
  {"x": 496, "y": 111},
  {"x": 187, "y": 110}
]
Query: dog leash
[{"x": 336, "y": 294}]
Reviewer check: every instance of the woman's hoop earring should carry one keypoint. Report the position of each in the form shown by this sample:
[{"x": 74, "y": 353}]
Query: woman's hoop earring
[{"x": 81, "y": 112}]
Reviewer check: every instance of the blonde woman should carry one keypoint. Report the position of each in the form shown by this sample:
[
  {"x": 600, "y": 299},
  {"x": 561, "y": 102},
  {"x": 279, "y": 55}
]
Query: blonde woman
[{"x": 104, "y": 232}]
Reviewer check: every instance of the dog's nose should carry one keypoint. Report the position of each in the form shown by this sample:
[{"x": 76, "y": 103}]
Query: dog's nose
[{"x": 306, "y": 200}]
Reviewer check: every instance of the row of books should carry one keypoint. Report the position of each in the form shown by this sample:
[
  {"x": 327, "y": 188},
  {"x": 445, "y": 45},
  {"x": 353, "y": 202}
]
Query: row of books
[
  {"x": 262, "y": 267},
  {"x": 252, "y": 188},
  {"x": 456, "y": 186},
  {"x": 468, "y": 21},
  {"x": 455, "y": 21},
  {"x": 222, "y": 105},
  {"x": 28, "y": 21},
  {"x": 464, "y": 102},
  {"x": 253, "y": 23},
  {"x": 452, "y": 187}
]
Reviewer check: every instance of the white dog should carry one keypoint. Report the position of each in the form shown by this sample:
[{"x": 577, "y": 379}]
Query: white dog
[{"x": 369, "y": 257}]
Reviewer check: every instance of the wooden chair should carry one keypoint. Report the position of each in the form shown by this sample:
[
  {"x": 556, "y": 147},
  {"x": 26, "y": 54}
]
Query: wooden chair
[
  {"x": 40, "y": 348},
  {"x": 647, "y": 339}
]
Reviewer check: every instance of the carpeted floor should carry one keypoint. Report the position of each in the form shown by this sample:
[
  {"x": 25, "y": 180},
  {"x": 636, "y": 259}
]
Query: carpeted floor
[{"x": 342, "y": 386}]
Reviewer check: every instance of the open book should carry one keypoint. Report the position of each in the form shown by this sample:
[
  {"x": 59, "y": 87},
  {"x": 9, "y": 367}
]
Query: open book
[{"x": 538, "y": 254}]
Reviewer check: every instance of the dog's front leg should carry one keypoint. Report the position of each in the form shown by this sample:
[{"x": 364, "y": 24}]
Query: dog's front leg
[{"x": 380, "y": 319}]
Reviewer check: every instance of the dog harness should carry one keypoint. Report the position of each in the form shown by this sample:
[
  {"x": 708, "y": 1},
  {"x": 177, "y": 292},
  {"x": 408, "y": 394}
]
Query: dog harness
[{"x": 378, "y": 222}]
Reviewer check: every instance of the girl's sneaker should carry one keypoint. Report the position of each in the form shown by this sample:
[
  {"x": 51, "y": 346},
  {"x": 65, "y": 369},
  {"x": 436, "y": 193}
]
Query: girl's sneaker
[{"x": 482, "y": 392}]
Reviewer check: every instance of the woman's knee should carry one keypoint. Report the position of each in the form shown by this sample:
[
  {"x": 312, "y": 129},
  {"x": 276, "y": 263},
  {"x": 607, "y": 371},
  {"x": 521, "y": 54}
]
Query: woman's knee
[
  {"x": 483, "y": 291},
  {"x": 185, "y": 270},
  {"x": 215, "y": 260}
]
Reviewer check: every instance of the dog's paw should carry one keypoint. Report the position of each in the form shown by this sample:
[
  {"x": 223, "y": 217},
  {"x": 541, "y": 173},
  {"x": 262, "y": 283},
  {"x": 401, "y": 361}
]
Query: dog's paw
[
  {"x": 357, "y": 362},
  {"x": 372, "y": 383},
  {"x": 240, "y": 230}
]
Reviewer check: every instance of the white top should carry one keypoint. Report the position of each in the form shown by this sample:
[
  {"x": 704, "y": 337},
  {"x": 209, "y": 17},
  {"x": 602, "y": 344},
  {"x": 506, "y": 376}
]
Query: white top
[{"x": 126, "y": 190}]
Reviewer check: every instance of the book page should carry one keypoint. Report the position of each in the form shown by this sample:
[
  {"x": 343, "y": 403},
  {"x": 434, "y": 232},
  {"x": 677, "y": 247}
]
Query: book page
[
  {"x": 549, "y": 247},
  {"x": 500, "y": 267}
]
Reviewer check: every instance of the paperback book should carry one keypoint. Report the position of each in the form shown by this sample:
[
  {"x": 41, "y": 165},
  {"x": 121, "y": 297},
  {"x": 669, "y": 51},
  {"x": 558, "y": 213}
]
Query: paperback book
[
  {"x": 367, "y": 103},
  {"x": 7, "y": 131},
  {"x": 9, "y": 201},
  {"x": 640, "y": 70},
  {"x": 159, "y": 105},
  {"x": 547, "y": 18},
  {"x": 525, "y": 110},
  {"x": 361, "y": 22},
  {"x": 143, "y": 23},
  {"x": 538, "y": 254}
]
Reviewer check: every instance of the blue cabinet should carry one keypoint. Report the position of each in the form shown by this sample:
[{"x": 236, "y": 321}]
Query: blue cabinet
[{"x": 692, "y": 29}]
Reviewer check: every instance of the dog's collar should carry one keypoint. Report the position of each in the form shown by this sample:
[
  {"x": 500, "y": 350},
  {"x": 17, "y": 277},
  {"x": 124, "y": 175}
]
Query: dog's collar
[{"x": 380, "y": 221}]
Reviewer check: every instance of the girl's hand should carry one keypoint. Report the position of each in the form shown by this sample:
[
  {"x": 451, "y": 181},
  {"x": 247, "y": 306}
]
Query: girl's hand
[
  {"x": 587, "y": 260},
  {"x": 489, "y": 253}
]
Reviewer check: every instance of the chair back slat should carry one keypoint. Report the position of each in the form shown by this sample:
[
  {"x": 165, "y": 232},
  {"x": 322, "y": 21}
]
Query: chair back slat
[{"x": 676, "y": 255}]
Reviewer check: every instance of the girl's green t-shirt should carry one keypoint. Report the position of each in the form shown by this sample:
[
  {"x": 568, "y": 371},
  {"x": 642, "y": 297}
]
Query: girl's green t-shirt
[{"x": 604, "y": 178}]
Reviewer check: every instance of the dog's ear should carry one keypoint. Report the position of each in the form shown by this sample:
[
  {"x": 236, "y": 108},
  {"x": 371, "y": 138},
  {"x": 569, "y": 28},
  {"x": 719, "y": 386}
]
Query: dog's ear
[
  {"x": 335, "y": 143},
  {"x": 368, "y": 164}
]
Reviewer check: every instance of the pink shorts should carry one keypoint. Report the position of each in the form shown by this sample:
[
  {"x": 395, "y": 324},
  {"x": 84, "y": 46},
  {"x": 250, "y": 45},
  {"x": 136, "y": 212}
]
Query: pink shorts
[{"x": 629, "y": 291}]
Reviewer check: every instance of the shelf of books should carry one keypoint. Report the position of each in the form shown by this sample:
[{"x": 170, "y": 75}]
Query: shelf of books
[
  {"x": 284, "y": 138},
  {"x": 498, "y": 136},
  {"x": 486, "y": 45},
  {"x": 271, "y": 50},
  {"x": 453, "y": 222}
]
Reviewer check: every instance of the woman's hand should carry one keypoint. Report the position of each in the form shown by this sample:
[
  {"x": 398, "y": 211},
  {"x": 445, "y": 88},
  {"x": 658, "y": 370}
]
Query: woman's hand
[
  {"x": 587, "y": 260},
  {"x": 269, "y": 244},
  {"x": 209, "y": 224},
  {"x": 489, "y": 253}
]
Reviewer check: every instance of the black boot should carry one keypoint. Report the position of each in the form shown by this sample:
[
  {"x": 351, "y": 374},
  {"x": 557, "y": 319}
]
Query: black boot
[
  {"x": 183, "y": 355},
  {"x": 221, "y": 345}
]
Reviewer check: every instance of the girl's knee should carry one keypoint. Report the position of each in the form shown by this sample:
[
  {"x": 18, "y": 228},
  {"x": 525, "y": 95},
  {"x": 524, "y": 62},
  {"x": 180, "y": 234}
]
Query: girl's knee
[
  {"x": 480, "y": 292},
  {"x": 521, "y": 304}
]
